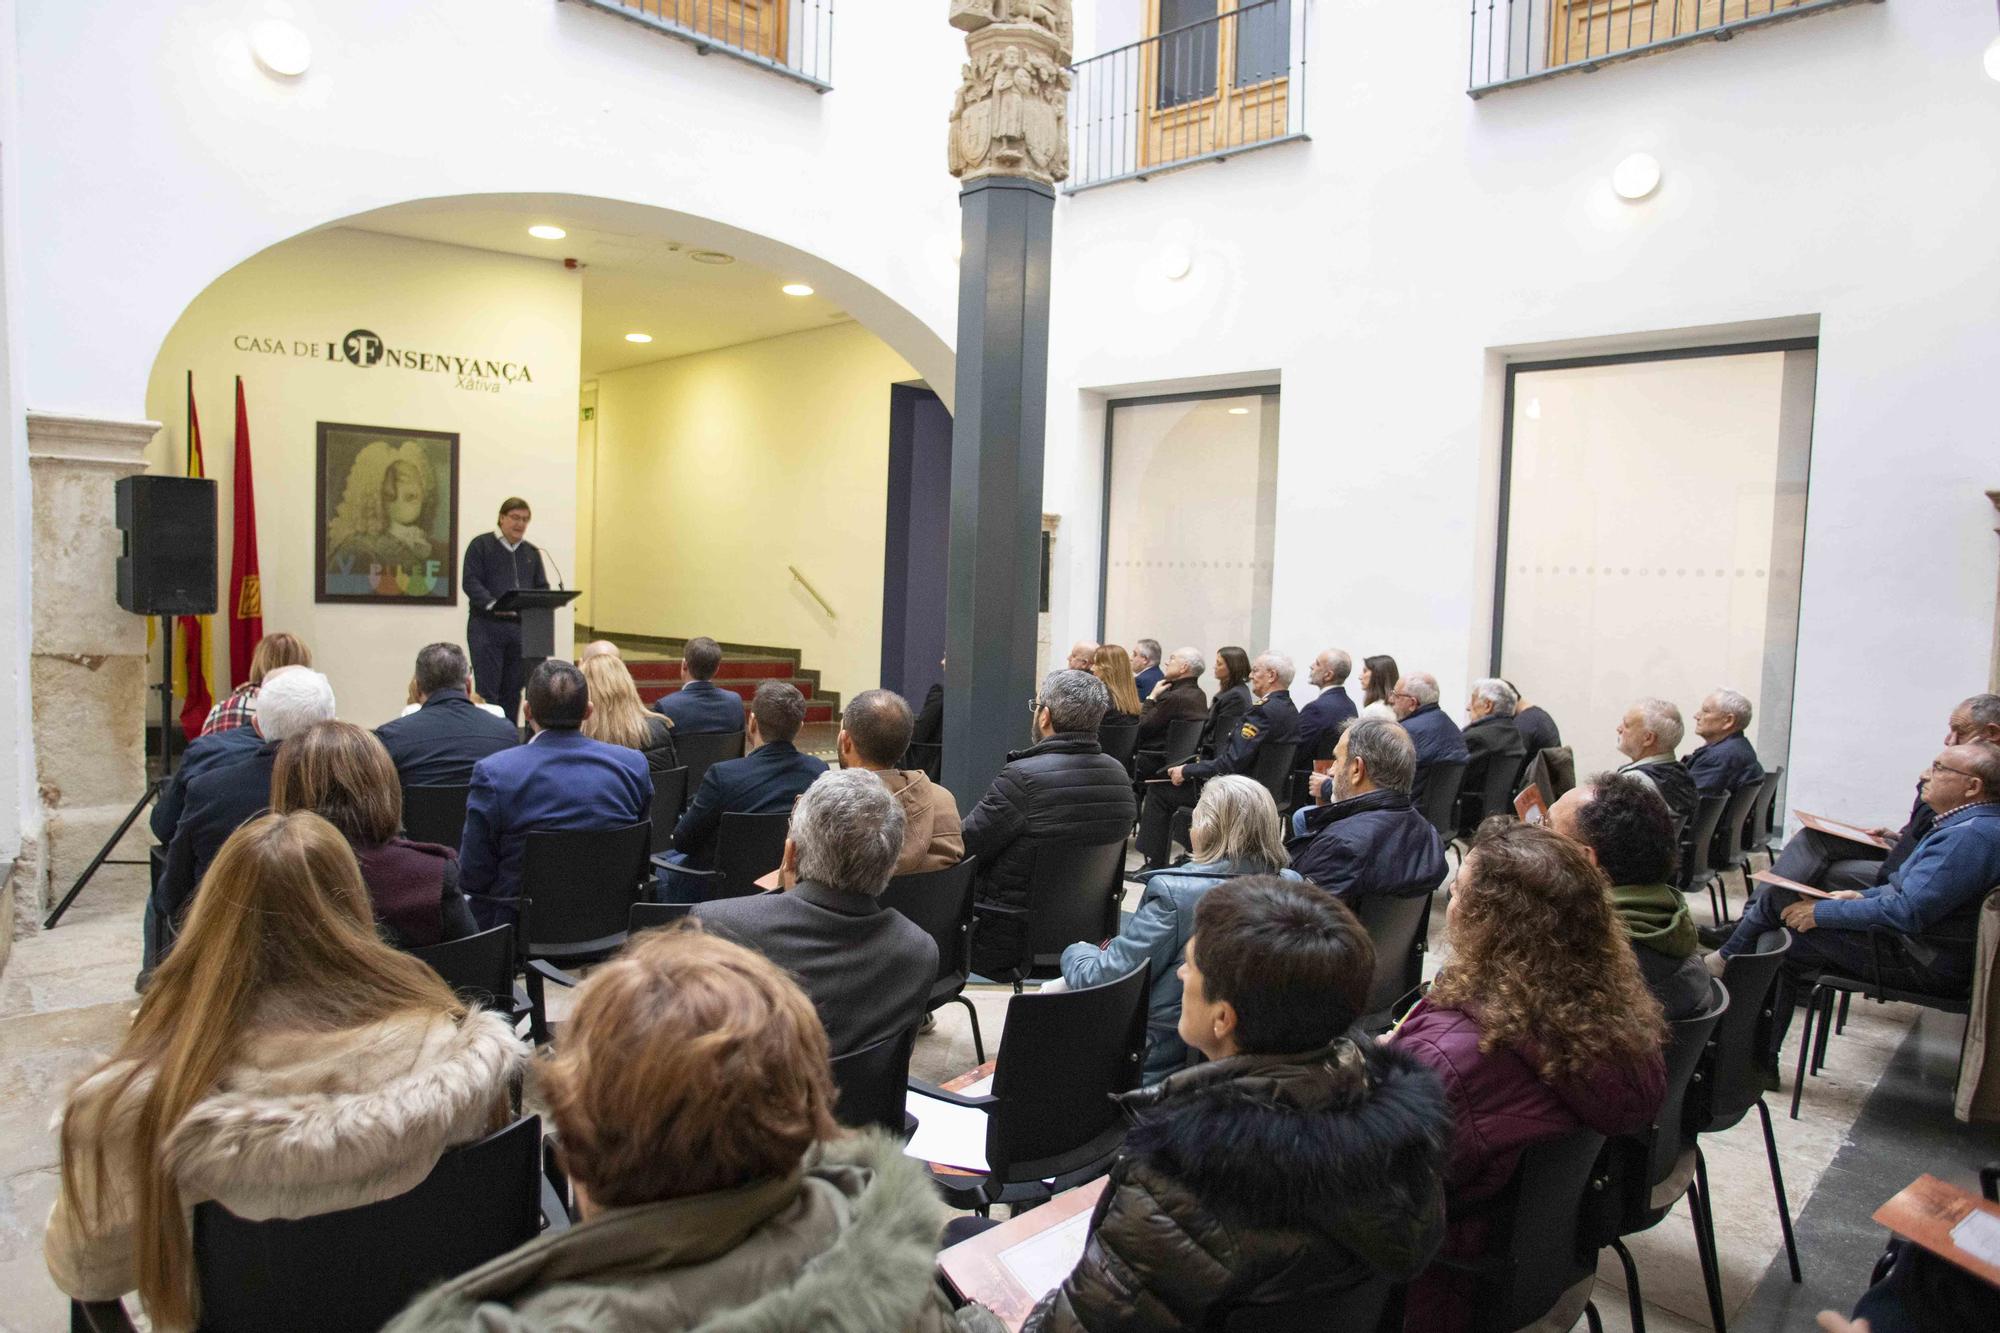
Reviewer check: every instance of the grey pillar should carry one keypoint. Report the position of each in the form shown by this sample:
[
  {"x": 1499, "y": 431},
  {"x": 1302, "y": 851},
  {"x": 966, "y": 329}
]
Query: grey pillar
[{"x": 996, "y": 477}]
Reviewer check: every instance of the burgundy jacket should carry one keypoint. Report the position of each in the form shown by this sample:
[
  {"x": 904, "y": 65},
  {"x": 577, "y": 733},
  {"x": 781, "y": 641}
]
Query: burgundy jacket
[
  {"x": 1499, "y": 1106},
  {"x": 414, "y": 889}
]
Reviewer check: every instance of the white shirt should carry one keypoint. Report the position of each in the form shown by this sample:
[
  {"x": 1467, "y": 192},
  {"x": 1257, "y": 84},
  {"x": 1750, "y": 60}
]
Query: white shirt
[{"x": 511, "y": 546}]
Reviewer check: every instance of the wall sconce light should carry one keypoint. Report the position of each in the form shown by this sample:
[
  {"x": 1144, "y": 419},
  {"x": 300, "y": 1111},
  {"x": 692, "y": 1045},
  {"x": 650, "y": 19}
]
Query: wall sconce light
[
  {"x": 1175, "y": 262},
  {"x": 281, "y": 48},
  {"x": 1636, "y": 177}
]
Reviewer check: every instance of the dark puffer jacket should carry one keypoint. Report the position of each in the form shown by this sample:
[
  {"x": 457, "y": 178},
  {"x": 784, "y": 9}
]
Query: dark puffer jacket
[
  {"x": 1065, "y": 789},
  {"x": 1257, "y": 1180},
  {"x": 1374, "y": 843}
]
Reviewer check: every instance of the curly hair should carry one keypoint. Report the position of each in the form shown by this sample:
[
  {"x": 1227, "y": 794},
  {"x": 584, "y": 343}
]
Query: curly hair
[
  {"x": 1628, "y": 825},
  {"x": 1538, "y": 954}
]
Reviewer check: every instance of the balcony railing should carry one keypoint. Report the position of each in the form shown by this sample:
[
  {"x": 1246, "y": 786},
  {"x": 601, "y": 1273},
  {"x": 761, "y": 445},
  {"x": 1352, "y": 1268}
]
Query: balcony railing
[
  {"x": 1197, "y": 93},
  {"x": 1525, "y": 41},
  {"x": 793, "y": 38}
]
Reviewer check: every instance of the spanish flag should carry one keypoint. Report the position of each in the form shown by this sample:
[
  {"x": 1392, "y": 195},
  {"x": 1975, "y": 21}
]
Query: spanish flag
[
  {"x": 246, "y": 594},
  {"x": 191, "y": 643}
]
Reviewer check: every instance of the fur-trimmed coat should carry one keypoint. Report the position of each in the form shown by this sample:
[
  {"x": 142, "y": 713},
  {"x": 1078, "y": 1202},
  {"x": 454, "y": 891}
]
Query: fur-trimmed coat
[
  {"x": 304, "y": 1122},
  {"x": 1261, "y": 1180},
  {"x": 845, "y": 1244}
]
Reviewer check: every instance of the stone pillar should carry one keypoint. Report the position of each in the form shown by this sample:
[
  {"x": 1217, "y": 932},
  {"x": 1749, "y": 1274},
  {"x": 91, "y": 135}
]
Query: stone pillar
[
  {"x": 1009, "y": 145},
  {"x": 87, "y": 664}
]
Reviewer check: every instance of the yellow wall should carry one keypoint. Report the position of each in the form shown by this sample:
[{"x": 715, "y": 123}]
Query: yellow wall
[
  {"x": 716, "y": 471},
  {"x": 442, "y": 298}
]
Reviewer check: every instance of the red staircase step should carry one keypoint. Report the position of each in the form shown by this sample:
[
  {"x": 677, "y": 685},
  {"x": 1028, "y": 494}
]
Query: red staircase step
[
  {"x": 751, "y": 669},
  {"x": 743, "y": 689}
]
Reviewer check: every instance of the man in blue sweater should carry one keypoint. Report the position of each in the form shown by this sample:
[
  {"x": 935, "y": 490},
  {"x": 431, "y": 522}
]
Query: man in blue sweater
[{"x": 1928, "y": 908}]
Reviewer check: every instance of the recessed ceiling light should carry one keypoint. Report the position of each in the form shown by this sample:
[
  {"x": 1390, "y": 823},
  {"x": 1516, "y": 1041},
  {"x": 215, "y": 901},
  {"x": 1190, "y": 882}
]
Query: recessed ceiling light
[
  {"x": 1239, "y": 411},
  {"x": 796, "y": 289},
  {"x": 711, "y": 257},
  {"x": 638, "y": 337},
  {"x": 547, "y": 233}
]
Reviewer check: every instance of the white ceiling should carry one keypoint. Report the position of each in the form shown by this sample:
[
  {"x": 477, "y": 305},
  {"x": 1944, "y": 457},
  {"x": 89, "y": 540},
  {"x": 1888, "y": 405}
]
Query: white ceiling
[{"x": 633, "y": 281}]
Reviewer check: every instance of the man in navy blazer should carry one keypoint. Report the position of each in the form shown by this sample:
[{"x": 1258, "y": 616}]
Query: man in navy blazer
[
  {"x": 1146, "y": 671},
  {"x": 769, "y": 778},
  {"x": 1320, "y": 721},
  {"x": 437, "y": 745},
  {"x": 700, "y": 705},
  {"x": 561, "y": 780},
  {"x": 1727, "y": 761},
  {"x": 1436, "y": 736},
  {"x": 218, "y": 749}
]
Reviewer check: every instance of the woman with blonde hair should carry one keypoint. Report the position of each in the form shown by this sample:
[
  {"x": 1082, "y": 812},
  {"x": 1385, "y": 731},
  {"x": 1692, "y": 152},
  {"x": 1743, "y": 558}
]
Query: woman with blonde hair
[
  {"x": 284, "y": 1062},
  {"x": 617, "y": 717},
  {"x": 1539, "y": 1023},
  {"x": 694, "y": 1108},
  {"x": 343, "y": 774},
  {"x": 272, "y": 651},
  {"x": 1113, "y": 665},
  {"x": 1236, "y": 833}
]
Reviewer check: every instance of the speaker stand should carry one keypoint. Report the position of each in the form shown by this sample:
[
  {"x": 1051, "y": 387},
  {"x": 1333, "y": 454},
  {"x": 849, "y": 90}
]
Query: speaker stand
[{"x": 153, "y": 787}]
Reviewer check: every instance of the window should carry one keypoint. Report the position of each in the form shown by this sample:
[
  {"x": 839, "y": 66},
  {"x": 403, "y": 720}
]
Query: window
[{"x": 1195, "y": 110}]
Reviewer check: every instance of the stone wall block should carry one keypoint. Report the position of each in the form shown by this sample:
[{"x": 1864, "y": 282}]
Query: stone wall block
[{"x": 90, "y": 722}]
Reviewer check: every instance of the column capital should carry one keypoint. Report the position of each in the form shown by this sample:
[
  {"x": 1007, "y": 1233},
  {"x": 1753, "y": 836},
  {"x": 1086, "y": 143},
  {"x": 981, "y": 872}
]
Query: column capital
[
  {"x": 1010, "y": 117},
  {"x": 90, "y": 441}
]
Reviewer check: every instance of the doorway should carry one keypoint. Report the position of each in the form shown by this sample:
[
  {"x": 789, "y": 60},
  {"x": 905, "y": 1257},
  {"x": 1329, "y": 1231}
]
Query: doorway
[{"x": 918, "y": 541}]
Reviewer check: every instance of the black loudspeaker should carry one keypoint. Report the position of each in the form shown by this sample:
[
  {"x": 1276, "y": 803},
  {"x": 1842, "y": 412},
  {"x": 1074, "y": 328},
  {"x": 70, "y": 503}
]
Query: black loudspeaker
[{"x": 167, "y": 567}]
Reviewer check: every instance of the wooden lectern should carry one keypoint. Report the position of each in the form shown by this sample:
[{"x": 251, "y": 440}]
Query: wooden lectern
[{"x": 537, "y": 609}]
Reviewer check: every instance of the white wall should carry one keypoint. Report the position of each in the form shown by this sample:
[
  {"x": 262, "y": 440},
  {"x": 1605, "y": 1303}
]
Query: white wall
[
  {"x": 1840, "y": 167},
  {"x": 20, "y": 810},
  {"x": 520, "y": 440}
]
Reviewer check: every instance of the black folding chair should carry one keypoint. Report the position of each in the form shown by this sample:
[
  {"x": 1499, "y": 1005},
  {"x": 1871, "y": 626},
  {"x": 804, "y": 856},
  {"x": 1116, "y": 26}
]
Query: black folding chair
[
  {"x": 1695, "y": 850},
  {"x": 926, "y": 757},
  {"x": 1497, "y": 784},
  {"x": 747, "y": 847},
  {"x": 1074, "y": 890},
  {"x": 1538, "y": 1265},
  {"x": 698, "y": 749},
  {"x": 1117, "y": 736},
  {"x": 873, "y": 1084},
  {"x": 1440, "y": 803},
  {"x": 670, "y": 788},
  {"x": 435, "y": 814},
  {"x": 1727, "y": 853},
  {"x": 1757, "y": 830},
  {"x": 1399, "y": 928},
  {"x": 940, "y": 901},
  {"x": 480, "y": 968},
  {"x": 1272, "y": 768},
  {"x": 651, "y": 916},
  {"x": 577, "y": 891},
  {"x": 1051, "y": 1121}
]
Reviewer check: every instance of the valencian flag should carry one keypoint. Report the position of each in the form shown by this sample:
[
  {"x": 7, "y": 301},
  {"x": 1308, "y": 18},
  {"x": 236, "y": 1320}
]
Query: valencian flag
[
  {"x": 246, "y": 595},
  {"x": 191, "y": 657}
]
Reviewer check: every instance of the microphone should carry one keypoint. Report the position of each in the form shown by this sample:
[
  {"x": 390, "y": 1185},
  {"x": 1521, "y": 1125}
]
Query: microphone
[{"x": 543, "y": 551}]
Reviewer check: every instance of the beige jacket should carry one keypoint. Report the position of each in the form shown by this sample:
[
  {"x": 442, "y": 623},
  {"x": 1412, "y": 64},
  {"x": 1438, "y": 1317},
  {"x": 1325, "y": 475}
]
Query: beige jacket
[
  {"x": 931, "y": 837},
  {"x": 305, "y": 1123}
]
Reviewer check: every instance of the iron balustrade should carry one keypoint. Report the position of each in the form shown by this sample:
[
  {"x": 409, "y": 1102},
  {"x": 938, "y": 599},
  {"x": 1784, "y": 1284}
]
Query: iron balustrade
[
  {"x": 793, "y": 38},
  {"x": 1516, "y": 42},
  {"x": 1198, "y": 92}
]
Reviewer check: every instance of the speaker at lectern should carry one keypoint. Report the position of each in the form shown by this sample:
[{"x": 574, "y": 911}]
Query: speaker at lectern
[{"x": 537, "y": 608}]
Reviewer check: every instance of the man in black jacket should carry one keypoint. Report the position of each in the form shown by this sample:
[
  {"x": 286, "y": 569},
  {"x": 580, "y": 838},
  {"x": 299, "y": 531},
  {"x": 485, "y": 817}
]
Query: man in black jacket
[
  {"x": 1177, "y": 698},
  {"x": 1490, "y": 738},
  {"x": 1061, "y": 789},
  {"x": 1365, "y": 837},
  {"x": 1727, "y": 762},
  {"x": 437, "y": 745},
  {"x": 495, "y": 563},
  {"x": 1273, "y": 721},
  {"x": 1648, "y": 736}
]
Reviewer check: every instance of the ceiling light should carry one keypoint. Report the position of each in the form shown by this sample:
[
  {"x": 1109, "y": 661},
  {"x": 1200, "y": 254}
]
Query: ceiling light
[
  {"x": 281, "y": 48},
  {"x": 544, "y": 232},
  {"x": 1992, "y": 59},
  {"x": 711, "y": 257},
  {"x": 638, "y": 337},
  {"x": 1239, "y": 411},
  {"x": 796, "y": 289},
  {"x": 1636, "y": 177}
]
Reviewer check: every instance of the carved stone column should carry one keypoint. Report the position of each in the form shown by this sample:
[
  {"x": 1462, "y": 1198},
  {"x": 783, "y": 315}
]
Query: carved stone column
[{"x": 87, "y": 665}]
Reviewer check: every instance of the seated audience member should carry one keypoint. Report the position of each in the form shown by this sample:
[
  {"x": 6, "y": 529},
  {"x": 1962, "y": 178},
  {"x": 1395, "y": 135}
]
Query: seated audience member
[
  {"x": 1177, "y": 698},
  {"x": 284, "y": 1062},
  {"x": 928, "y": 726},
  {"x": 1921, "y": 1293},
  {"x": 1063, "y": 788},
  {"x": 1379, "y": 675},
  {"x": 1081, "y": 654},
  {"x": 874, "y": 733},
  {"x": 437, "y": 745},
  {"x": 867, "y": 968},
  {"x": 617, "y": 717},
  {"x": 1527, "y": 1051},
  {"x": 598, "y": 648},
  {"x": 1623, "y": 826},
  {"x": 1272, "y": 720},
  {"x": 1234, "y": 698},
  {"x": 1297, "y": 1163},
  {"x": 1828, "y": 862},
  {"x": 1236, "y": 833},
  {"x": 1365, "y": 838},
  {"x": 341, "y": 773},
  {"x": 272, "y": 651},
  {"x": 1648, "y": 735},
  {"x": 1726, "y": 762},
  {"x": 1321, "y": 720},
  {"x": 1110, "y": 665},
  {"x": 766, "y": 779},
  {"x": 1928, "y": 908},
  {"x": 1145, "y": 657},
  {"x": 1490, "y": 738},
  {"x": 1436, "y": 736},
  {"x": 560, "y": 780},
  {"x": 214, "y": 750},
  {"x": 700, "y": 706},
  {"x": 1538, "y": 730},
  {"x": 228, "y": 796},
  {"x": 692, "y": 1101}
]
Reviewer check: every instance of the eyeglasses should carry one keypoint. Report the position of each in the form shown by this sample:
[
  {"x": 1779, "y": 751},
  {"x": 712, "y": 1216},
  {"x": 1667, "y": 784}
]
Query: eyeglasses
[{"x": 1947, "y": 768}]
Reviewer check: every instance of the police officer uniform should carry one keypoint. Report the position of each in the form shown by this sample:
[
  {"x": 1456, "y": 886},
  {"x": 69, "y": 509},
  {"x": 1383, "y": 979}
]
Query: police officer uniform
[{"x": 1274, "y": 720}]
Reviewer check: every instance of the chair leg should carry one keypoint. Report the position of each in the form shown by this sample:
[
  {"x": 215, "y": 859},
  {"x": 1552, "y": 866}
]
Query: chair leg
[
  {"x": 1633, "y": 1300},
  {"x": 1778, "y": 1189},
  {"x": 538, "y": 1013},
  {"x": 1840, "y": 1020},
  {"x": 1704, "y": 1240},
  {"x": 1819, "y": 1037},
  {"x": 1805, "y": 1049},
  {"x": 978, "y": 1045},
  {"x": 1592, "y": 1318}
]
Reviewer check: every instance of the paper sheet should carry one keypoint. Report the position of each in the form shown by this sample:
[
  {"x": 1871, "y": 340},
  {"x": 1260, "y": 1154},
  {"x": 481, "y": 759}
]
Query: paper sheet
[
  {"x": 980, "y": 1089},
  {"x": 946, "y": 1134},
  {"x": 1040, "y": 1263},
  {"x": 1978, "y": 1234}
]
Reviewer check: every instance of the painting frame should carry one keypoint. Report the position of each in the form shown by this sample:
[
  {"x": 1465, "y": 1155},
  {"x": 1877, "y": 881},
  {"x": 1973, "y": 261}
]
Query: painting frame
[{"x": 365, "y": 549}]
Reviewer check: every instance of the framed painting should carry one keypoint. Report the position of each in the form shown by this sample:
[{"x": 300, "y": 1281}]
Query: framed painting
[{"x": 386, "y": 515}]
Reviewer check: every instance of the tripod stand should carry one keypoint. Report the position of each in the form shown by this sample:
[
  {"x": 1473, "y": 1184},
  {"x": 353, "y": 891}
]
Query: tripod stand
[{"x": 154, "y": 786}]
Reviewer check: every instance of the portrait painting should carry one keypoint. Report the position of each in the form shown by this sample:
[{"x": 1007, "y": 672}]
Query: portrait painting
[{"x": 387, "y": 515}]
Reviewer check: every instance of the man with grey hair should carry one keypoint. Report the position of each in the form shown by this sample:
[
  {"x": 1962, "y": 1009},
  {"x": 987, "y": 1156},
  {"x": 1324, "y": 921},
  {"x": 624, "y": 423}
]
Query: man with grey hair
[
  {"x": 1365, "y": 837},
  {"x": 867, "y": 968},
  {"x": 1436, "y": 736},
  {"x": 1648, "y": 736},
  {"x": 1146, "y": 671},
  {"x": 1271, "y": 721},
  {"x": 1490, "y": 738},
  {"x": 1176, "y": 698},
  {"x": 1726, "y": 762},
  {"x": 1321, "y": 720},
  {"x": 437, "y": 744},
  {"x": 1063, "y": 788}
]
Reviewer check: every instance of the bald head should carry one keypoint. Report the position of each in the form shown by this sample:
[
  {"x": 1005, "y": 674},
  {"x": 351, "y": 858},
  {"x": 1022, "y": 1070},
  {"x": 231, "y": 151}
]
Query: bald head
[
  {"x": 1081, "y": 654},
  {"x": 1962, "y": 775},
  {"x": 1330, "y": 669}
]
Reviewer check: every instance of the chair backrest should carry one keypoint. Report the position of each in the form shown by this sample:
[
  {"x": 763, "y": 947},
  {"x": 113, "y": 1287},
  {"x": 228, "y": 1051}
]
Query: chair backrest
[
  {"x": 1073, "y": 894},
  {"x": 651, "y": 916},
  {"x": 927, "y": 756},
  {"x": 1397, "y": 928},
  {"x": 1356, "y": 1307},
  {"x": 1117, "y": 737},
  {"x": 435, "y": 814},
  {"x": 873, "y": 1083},
  {"x": 1535, "y": 1236},
  {"x": 1183, "y": 735},
  {"x": 582, "y": 884},
  {"x": 698, "y": 749},
  {"x": 1701, "y": 839},
  {"x": 1731, "y": 1080},
  {"x": 670, "y": 790},
  {"x": 356, "y": 1269},
  {"x": 1728, "y": 848},
  {"x": 479, "y": 967},
  {"x": 1062, "y": 1057},
  {"x": 1441, "y": 784},
  {"x": 1496, "y": 795},
  {"x": 1273, "y": 767},
  {"x": 747, "y": 848},
  {"x": 1653, "y": 1153},
  {"x": 1560, "y": 761},
  {"x": 940, "y": 901},
  {"x": 1757, "y": 828}
]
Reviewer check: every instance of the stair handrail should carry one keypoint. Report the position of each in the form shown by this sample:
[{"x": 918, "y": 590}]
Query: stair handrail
[{"x": 813, "y": 592}]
